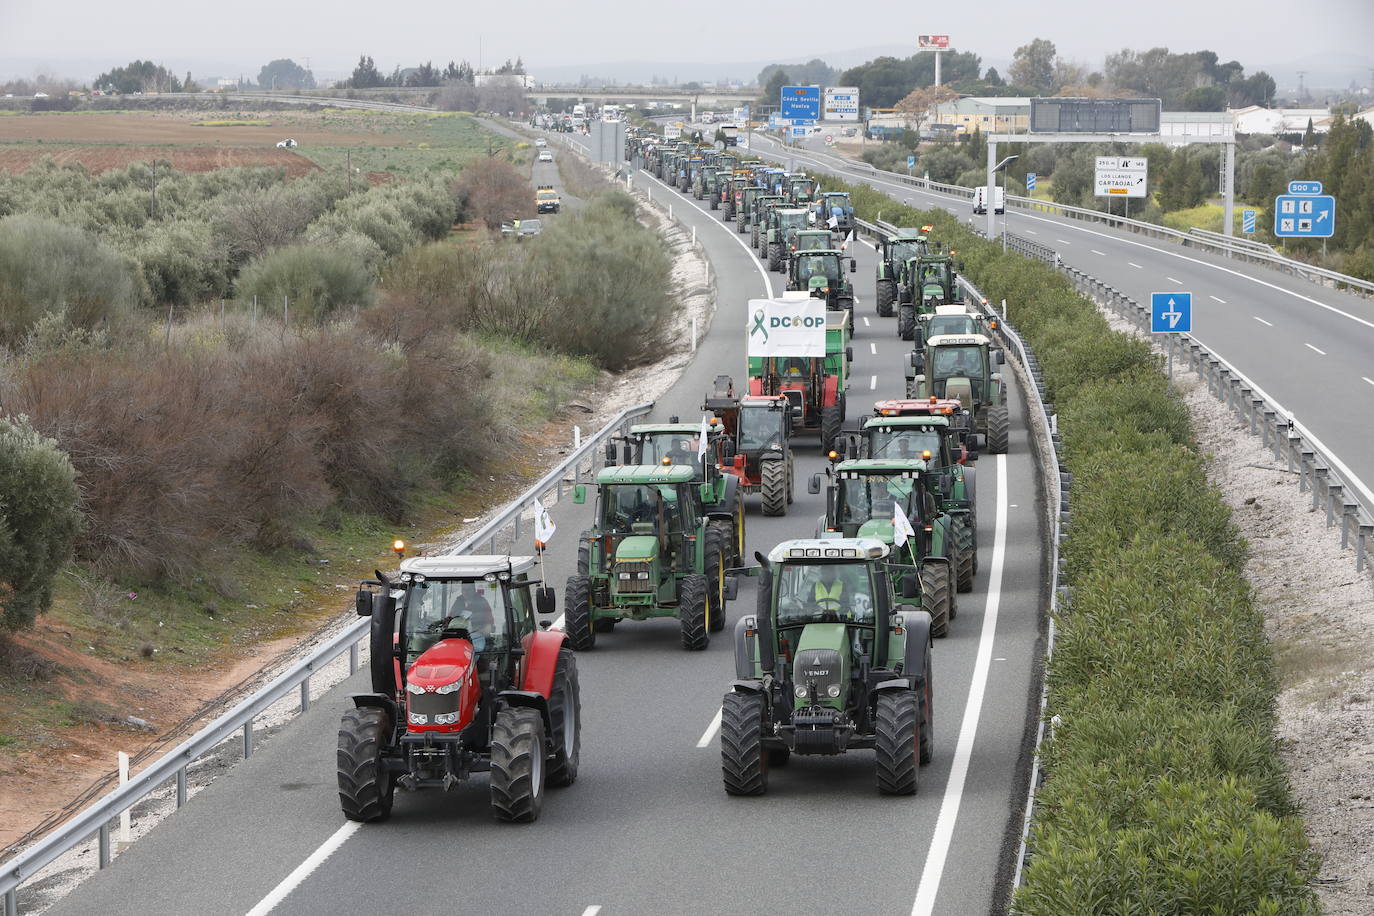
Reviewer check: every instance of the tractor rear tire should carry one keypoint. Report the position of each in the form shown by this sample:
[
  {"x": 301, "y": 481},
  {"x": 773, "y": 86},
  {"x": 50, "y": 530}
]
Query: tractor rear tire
[
  {"x": 897, "y": 737},
  {"x": 517, "y": 765},
  {"x": 927, "y": 696},
  {"x": 913, "y": 388},
  {"x": 743, "y": 759},
  {"x": 739, "y": 226},
  {"x": 716, "y": 550},
  {"x": 906, "y": 322},
  {"x": 887, "y": 294},
  {"x": 832, "y": 418},
  {"x": 577, "y": 613},
  {"x": 968, "y": 551},
  {"x": 998, "y": 431},
  {"x": 692, "y": 611},
  {"x": 774, "y": 486},
  {"x": 754, "y": 239},
  {"x": 775, "y": 257},
  {"x": 715, "y": 201},
  {"x": 366, "y": 788},
  {"x": 791, "y": 476},
  {"x": 935, "y": 597},
  {"x": 565, "y": 714},
  {"x": 583, "y": 559}
]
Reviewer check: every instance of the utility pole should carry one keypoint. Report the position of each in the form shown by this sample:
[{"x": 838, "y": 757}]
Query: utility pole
[{"x": 349, "y": 160}]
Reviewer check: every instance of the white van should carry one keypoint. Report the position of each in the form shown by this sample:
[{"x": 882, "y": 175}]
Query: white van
[{"x": 980, "y": 199}]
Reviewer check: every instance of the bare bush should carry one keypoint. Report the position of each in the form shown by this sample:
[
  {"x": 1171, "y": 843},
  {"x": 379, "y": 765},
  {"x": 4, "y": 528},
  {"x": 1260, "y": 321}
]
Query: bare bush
[{"x": 494, "y": 191}]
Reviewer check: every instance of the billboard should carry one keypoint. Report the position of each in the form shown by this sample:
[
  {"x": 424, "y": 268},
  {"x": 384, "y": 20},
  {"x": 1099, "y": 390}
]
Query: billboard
[
  {"x": 841, "y": 104},
  {"x": 932, "y": 42},
  {"x": 800, "y": 103},
  {"x": 1095, "y": 116},
  {"x": 786, "y": 327}
]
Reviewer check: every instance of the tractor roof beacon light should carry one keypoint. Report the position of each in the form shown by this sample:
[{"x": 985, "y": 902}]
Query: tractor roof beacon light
[{"x": 399, "y": 546}]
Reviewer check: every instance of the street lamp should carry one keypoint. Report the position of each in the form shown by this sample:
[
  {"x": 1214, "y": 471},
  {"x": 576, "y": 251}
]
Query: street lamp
[{"x": 992, "y": 192}]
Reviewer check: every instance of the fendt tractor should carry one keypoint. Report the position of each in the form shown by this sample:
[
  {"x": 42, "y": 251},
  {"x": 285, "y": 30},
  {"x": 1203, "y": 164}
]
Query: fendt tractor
[
  {"x": 947, "y": 319},
  {"x": 832, "y": 661},
  {"x": 814, "y": 386},
  {"x": 821, "y": 275},
  {"x": 463, "y": 682},
  {"x": 862, "y": 499},
  {"x": 801, "y": 190},
  {"x": 893, "y": 253},
  {"x": 653, "y": 551},
  {"x": 813, "y": 240},
  {"x": 926, "y": 282},
  {"x": 783, "y": 226},
  {"x": 757, "y": 443},
  {"x": 960, "y": 367}
]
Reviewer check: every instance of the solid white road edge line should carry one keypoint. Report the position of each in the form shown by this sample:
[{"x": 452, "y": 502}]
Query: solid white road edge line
[
  {"x": 929, "y": 887},
  {"x": 753, "y": 258},
  {"x": 710, "y": 734},
  {"x": 302, "y": 871}
]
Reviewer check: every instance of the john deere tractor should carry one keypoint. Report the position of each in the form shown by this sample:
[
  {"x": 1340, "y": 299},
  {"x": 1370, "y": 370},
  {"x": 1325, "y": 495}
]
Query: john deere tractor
[
  {"x": 832, "y": 661},
  {"x": 821, "y": 274},
  {"x": 744, "y": 206},
  {"x": 652, "y": 552},
  {"x": 962, "y": 367},
  {"x": 463, "y": 682},
  {"x": 814, "y": 386},
  {"x": 764, "y": 205},
  {"x": 757, "y": 444},
  {"x": 893, "y": 253},
  {"x": 926, "y": 282},
  {"x": 783, "y": 226},
  {"x": 863, "y": 498}
]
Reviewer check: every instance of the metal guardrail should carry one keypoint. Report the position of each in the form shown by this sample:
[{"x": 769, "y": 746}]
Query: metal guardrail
[{"x": 497, "y": 535}]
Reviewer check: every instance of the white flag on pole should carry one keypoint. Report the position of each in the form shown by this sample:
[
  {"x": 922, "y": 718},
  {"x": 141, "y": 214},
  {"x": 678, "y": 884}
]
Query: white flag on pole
[
  {"x": 544, "y": 527},
  {"x": 833, "y": 222},
  {"x": 701, "y": 444},
  {"x": 901, "y": 526}
]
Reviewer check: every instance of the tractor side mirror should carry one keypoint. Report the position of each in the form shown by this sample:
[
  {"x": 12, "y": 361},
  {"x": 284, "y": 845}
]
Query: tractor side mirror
[
  {"x": 731, "y": 588},
  {"x": 610, "y": 452},
  {"x": 1001, "y": 358},
  {"x": 911, "y": 586},
  {"x": 946, "y": 484},
  {"x": 363, "y": 603},
  {"x": 853, "y": 265},
  {"x": 545, "y": 600},
  {"x": 727, "y": 449},
  {"x": 579, "y": 494},
  {"x": 813, "y": 486}
]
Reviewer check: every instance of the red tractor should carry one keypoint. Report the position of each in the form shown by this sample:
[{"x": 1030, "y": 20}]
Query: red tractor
[
  {"x": 815, "y": 386},
  {"x": 463, "y": 682},
  {"x": 757, "y": 442}
]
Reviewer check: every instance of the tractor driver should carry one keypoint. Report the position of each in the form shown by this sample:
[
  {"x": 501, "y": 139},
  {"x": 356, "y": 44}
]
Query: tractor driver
[
  {"x": 634, "y": 504},
  {"x": 683, "y": 453},
  {"x": 828, "y": 595},
  {"x": 472, "y": 612}
]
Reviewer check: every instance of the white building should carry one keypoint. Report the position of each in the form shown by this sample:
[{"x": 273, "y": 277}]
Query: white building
[{"x": 1256, "y": 120}]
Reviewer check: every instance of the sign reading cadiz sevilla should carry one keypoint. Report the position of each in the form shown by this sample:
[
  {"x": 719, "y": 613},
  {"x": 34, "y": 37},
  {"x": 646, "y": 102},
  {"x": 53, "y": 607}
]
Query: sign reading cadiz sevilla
[
  {"x": 786, "y": 327},
  {"x": 932, "y": 42}
]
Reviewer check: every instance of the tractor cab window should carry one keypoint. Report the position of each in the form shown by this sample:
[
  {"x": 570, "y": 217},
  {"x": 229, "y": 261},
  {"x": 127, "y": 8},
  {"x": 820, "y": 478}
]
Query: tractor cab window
[
  {"x": 950, "y": 324},
  {"x": 678, "y": 448},
  {"x": 934, "y": 274},
  {"x": 632, "y": 508},
  {"x": 821, "y": 593},
  {"x": 957, "y": 362},
  {"x": 760, "y": 429},
  {"x": 816, "y": 266},
  {"x": 792, "y": 220},
  {"x": 905, "y": 443},
  {"x": 902, "y": 251},
  {"x": 875, "y": 496},
  {"x": 792, "y": 368},
  {"x": 522, "y": 607},
  {"x": 436, "y": 605}
]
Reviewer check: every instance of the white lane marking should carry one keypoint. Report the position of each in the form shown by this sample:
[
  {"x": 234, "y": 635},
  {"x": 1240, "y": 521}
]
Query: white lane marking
[
  {"x": 710, "y": 734},
  {"x": 954, "y": 790},
  {"x": 866, "y": 323},
  {"x": 591, "y": 911},
  {"x": 1315, "y": 349},
  {"x": 1135, "y": 265},
  {"x": 1368, "y": 379},
  {"x": 302, "y": 871},
  {"x": 1032, "y": 232},
  {"x": 1064, "y": 241},
  {"x": 1095, "y": 251},
  {"x": 1269, "y": 324},
  {"x": 873, "y": 349},
  {"x": 1215, "y": 299},
  {"x": 1172, "y": 280},
  {"x": 767, "y": 283},
  {"x": 869, "y": 244},
  {"x": 872, "y": 383}
]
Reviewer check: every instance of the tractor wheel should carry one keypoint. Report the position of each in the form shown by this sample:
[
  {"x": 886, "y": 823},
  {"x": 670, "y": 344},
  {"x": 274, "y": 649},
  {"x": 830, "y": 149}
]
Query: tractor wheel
[
  {"x": 739, "y": 226},
  {"x": 775, "y": 257},
  {"x": 831, "y": 419},
  {"x": 997, "y": 430},
  {"x": 887, "y": 294},
  {"x": 927, "y": 716},
  {"x": 773, "y": 487},
  {"x": 906, "y": 322},
  {"x": 913, "y": 388},
  {"x": 692, "y": 610},
  {"x": 716, "y": 549},
  {"x": 791, "y": 477},
  {"x": 730, "y": 550},
  {"x": 715, "y": 201},
  {"x": 583, "y": 559},
  {"x": 963, "y": 537},
  {"x": 517, "y": 764},
  {"x": 577, "y": 613},
  {"x": 743, "y": 760},
  {"x": 366, "y": 788},
  {"x": 935, "y": 597},
  {"x": 896, "y": 741},
  {"x": 565, "y": 713},
  {"x": 754, "y": 239}
]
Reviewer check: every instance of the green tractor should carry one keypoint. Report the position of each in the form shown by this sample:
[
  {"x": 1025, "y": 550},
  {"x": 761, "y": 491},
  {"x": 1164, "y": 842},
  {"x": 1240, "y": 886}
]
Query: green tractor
[
  {"x": 744, "y": 206},
  {"x": 927, "y": 281},
  {"x": 862, "y": 500},
  {"x": 784, "y": 225},
  {"x": 652, "y": 552},
  {"x": 704, "y": 185},
  {"x": 832, "y": 661},
  {"x": 961, "y": 367},
  {"x": 814, "y": 386},
  {"x": 813, "y": 240},
  {"x": 893, "y": 253},
  {"x": 800, "y": 189},
  {"x": 821, "y": 274},
  {"x": 764, "y": 205}
]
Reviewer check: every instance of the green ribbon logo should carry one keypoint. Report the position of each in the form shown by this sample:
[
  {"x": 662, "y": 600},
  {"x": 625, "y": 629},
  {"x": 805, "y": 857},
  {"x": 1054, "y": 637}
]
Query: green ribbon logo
[{"x": 758, "y": 325}]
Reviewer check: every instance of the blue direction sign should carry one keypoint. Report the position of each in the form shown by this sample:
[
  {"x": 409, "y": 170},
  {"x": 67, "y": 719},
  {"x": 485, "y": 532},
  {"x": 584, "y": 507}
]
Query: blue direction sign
[
  {"x": 801, "y": 102},
  {"x": 1030, "y": 181},
  {"x": 910, "y": 163},
  {"x": 1304, "y": 212},
  {"x": 1170, "y": 312},
  {"x": 1247, "y": 220}
]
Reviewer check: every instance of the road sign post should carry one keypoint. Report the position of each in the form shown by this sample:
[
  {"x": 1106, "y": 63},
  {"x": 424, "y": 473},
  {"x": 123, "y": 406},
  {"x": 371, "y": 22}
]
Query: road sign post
[
  {"x": 1030, "y": 181},
  {"x": 1304, "y": 212},
  {"x": 1171, "y": 313}
]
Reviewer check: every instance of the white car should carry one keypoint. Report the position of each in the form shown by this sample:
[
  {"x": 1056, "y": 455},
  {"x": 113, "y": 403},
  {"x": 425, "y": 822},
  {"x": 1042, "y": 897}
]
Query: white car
[
  {"x": 288, "y": 143},
  {"x": 541, "y": 143},
  {"x": 545, "y": 156}
]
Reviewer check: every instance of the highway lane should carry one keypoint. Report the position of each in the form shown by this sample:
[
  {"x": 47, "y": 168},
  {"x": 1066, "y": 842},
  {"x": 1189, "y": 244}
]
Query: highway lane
[
  {"x": 1306, "y": 346},
  {"x": 647, "y": 827}
]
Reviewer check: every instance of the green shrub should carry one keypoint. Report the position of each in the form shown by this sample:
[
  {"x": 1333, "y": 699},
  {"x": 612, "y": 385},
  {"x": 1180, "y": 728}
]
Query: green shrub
[
  {"x": 315, "y": 281},
  {"x": 39, "y": 520}
]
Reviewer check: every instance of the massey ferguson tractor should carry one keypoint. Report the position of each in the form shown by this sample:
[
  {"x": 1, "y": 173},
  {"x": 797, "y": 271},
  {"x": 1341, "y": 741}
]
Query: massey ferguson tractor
[
  {"x": 832, "y": 661},
  {"x": 757, "y": 443},
  {"x": 814, "y": 386},
  {"x": 463, "y": 682}
]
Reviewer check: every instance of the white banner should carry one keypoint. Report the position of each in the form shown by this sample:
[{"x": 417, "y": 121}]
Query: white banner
[{"x": 786, "y": 327}]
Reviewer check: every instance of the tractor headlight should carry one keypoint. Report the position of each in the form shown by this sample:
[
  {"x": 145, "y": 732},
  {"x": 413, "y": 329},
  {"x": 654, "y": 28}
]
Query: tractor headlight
[
  {"x": 833, "y": 691},
  {"x": 643, "y": 575},
  {"x": 418, "y": 719},
  {"x": 414, "y": 688},
  {"x": 624, "y": 575},
  {"x": 801, "y": 692},
  {"x": 449, "y": 688},
  {"x": 446, "y": 718}
]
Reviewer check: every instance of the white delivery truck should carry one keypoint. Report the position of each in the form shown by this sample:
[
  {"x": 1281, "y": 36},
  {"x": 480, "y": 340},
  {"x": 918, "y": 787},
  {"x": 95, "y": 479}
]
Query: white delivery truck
[{"x": 980, "y": 199}]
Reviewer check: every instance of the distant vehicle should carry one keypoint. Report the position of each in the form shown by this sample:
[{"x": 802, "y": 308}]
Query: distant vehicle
[
  {"x": 731, "y": 134},
  {"x": 611, "y": 113},
  {"x": 541, "y": 143},
  {"x": 545, "y": 156},
  {"x": 521, "y": 229},
  {"x": 980, "y": 199},
  {"x": 579, "y": 110},
  {"x": 288, "y": 143},
  {"x": 40, "y": 95},
  {"x": 546, "y": 199}
]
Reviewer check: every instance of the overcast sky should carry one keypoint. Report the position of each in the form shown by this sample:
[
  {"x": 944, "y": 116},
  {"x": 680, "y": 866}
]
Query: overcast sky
[{"x": 223, "y": 38}]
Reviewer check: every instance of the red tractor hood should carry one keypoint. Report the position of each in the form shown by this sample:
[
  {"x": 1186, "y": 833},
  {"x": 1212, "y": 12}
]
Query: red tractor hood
[{"x": 429, "y": 708}]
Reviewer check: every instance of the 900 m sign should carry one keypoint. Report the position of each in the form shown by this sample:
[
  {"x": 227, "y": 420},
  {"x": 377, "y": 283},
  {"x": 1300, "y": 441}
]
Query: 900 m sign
[{"x": 786, "y": 327}]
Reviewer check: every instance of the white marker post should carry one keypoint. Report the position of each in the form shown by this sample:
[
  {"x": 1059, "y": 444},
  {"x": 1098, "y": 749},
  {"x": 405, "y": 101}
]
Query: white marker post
[{"x": 125, "y": 823}]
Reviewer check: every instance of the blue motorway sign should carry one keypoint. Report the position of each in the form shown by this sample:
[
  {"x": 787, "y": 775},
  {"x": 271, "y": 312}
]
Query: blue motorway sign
[
  {"x": 1247, "y": 220},
  {"x": 1171, "y": 312},
  {"x": 1030, "y": 181},
  {"x": 803, "y": 102},
  {"x": 910, "y": 162},
  {"x": 1304, "y": 216}
]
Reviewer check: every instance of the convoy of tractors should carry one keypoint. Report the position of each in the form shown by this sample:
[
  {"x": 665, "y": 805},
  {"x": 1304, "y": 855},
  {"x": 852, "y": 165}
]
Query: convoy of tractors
[{"x": 835, "y": 656}]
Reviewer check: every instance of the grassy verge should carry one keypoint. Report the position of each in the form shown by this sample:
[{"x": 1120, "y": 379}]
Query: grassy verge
[{"x": 1165, "y": 792}]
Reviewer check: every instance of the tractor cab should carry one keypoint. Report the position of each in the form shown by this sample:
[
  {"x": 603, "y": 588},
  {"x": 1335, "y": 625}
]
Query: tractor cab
[
  {"x": 821, "y": 274},
  {"x": 813, "y": 386},
  {"x": 812, "y": 240},
  {"x": 962, "y": 367},
  {"x": 757, "y": 447},
  {"x": 785, "y": 224},
  {"x": 801, "y": 190},
  {"x": 950, "y": 319},
  {"x": 958, "y": 418},
  {"x": 834, "y": 211}
]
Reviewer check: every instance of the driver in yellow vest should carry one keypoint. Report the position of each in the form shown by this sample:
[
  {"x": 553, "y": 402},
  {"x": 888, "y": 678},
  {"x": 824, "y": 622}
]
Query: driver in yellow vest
[{"x": 828, "y": 595}]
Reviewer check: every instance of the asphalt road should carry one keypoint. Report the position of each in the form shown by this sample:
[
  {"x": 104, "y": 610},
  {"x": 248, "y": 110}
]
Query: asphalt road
[
  {"x": 647, "y": 828},
  {"x": 1306, "y": 346}
]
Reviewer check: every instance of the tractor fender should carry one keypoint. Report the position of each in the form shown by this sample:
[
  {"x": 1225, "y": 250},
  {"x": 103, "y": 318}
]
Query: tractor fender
[
  {"x": 541, "y": 660},
  {"x": 971, "y": 484},
  {"x": 917, "y": 626},
  {"x": 744, "y": 654},
  {"x": 726, "y": 508},
  {"x": 896, "y": 683},
  {"x": 746, "y": 686},
  {"x": 375, "y": 701},
  {"x": 831, "y": 391},
  {"x": 528, "y": 699}
]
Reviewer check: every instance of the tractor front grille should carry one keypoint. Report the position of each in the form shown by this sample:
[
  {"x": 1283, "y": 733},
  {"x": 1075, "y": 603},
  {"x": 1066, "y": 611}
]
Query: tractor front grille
[
  {"x": 425, "y": 708},
  {"x": 632, "y": 578}
]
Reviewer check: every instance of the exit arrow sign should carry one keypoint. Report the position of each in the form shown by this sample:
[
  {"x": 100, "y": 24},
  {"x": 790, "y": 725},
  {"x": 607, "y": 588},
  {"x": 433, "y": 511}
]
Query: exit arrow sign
[{"x": 1171, "y": 313}]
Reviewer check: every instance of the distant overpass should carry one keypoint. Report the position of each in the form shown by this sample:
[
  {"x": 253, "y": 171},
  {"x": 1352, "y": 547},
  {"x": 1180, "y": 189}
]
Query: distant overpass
[{"x": 640, "y": 94}]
